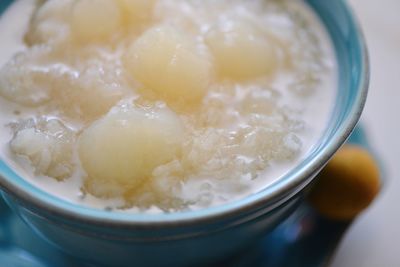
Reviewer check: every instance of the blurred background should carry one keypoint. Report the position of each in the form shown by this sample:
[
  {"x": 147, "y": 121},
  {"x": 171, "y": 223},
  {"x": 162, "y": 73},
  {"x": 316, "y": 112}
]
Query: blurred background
[{"x": 373, "y": 240}]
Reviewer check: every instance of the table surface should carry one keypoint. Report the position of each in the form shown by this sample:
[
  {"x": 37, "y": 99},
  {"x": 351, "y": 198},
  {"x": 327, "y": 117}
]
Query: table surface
[{"x": 372, "y": 240}]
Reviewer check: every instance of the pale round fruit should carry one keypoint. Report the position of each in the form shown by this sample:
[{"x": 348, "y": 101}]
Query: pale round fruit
[
  {"x": 242, "y": 51},
  {"x": 54, "y": 10},
  {"x": 137, "y": 11},
  {"x": 120, "y": 151},
  {"x": 166, "y": 62},
  {"x": 95, "y": 19},
  {"x": 50, "y": 22}
]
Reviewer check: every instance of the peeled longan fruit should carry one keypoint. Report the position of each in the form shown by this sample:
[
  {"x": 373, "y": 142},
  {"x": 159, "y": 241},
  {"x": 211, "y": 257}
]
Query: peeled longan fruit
[
  {"x": 347, "y": 185},
  {"x": 165, "y": 61},
  {"x": 120, "y": 151},
  {"x": 95, "y": 19},
  {"x": 137, "y": 11},
  {"x": 50, "y": 22},
  {"x": 242, "y": 51}
]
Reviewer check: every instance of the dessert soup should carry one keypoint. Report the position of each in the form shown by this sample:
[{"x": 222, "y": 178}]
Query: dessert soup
[{"x": 161, "y": 105}]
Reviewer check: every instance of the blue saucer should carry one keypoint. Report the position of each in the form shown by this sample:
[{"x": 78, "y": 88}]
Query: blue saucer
[{"x": 304, "y": 239}]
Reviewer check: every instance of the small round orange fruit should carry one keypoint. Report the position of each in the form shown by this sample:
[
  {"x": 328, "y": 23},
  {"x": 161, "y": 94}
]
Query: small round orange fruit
[{"x": 347, "y": 185}]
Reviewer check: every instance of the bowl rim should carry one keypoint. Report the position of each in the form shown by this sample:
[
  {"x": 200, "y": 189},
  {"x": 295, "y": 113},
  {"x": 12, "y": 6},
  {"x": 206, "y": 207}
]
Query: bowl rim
[{"x": 272, "y": 194}]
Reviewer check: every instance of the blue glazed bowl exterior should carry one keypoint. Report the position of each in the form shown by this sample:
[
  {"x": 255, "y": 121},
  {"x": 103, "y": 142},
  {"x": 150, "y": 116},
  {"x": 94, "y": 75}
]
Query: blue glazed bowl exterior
[{"x": 195, "y": 238}]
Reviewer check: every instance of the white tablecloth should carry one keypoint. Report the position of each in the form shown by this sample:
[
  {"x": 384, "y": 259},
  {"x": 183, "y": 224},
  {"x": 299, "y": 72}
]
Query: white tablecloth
[{"x": 373, "y": 241}]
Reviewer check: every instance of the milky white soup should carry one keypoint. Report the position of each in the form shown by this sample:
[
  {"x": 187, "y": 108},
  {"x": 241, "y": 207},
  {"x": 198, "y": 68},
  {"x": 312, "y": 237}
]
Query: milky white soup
[{"x": 162, "y": 105}]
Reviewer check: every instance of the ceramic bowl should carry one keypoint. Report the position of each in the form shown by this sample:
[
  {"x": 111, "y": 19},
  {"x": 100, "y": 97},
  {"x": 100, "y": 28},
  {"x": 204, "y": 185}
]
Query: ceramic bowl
[{"x": 199, "y": 237}]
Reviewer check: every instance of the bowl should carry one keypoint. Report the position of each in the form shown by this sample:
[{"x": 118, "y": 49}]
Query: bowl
[{"x": 199, "y": 237}]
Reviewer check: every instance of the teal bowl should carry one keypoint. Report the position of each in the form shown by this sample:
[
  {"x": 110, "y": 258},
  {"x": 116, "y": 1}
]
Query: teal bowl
[{"x": 204, "y": 236}]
